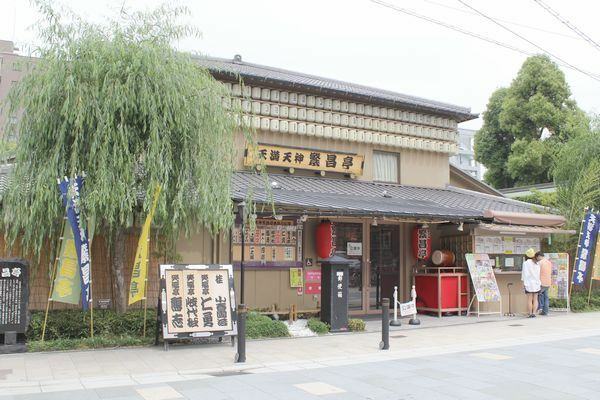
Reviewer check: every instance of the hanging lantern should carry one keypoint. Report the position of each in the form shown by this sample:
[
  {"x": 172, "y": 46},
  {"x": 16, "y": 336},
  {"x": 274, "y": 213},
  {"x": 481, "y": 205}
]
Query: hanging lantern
[
  {"x": 325, "y": 238},
  {"x": 421, "y": 243}
]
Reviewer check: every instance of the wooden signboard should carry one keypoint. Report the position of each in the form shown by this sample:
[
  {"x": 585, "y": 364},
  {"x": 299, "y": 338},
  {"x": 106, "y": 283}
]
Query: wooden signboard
[
  {"x": 14, "y": 295},
  {"x": 272, "y": 244},
  {"x": 197, "y": 301},
  {"x": 312, "y": 159}
]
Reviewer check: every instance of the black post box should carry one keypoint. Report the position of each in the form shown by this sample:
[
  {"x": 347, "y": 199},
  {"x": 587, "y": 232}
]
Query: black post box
[{"x": 334, "y": 292}]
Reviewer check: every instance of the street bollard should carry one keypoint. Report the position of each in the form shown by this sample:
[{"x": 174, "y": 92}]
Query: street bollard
[
  {"x": 385, "y": 325},
  {"x": 395, "y": 321},
  {"x": 413, "y": 294},
  {"x": 240, "y": 356}
]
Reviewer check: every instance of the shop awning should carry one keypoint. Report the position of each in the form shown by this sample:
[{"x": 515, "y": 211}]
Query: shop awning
[
  {"x": 531, "y": 219},
  {"x": 509, "y": 230},
  {"x": 326, "y": 196}
]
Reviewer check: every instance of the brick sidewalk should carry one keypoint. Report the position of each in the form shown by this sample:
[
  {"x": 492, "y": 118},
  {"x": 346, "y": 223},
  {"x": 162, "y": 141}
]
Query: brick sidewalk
[{"x": 56, "y": 371}]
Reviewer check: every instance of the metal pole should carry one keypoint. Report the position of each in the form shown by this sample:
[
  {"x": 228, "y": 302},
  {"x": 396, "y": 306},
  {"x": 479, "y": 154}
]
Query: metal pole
[
  {"x": 240, "y": 356},
  {"x": 385, "y": 324},
  {"x": 413, "y": 295},
  {"x": 395, "y": 321}
]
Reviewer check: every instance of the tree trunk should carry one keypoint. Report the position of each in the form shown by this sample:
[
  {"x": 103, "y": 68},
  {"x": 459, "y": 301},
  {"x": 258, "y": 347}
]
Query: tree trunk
[{"x": 118, "y": 270}]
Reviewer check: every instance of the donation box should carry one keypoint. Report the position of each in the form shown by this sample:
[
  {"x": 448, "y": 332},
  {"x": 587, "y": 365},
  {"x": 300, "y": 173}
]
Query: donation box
[{"x": 334, "y": 292}]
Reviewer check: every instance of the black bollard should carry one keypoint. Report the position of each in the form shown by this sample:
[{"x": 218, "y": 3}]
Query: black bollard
[
  {"x": 240, "y": 356},
  {"x": 385, "y": 325}
]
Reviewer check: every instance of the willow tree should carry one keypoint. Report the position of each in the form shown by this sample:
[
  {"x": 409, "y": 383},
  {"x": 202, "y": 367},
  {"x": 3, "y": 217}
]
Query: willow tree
[{"x": 116, "y": 101}]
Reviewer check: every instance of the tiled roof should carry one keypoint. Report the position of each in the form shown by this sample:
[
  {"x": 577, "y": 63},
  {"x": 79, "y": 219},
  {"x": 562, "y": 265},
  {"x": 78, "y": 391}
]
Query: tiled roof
[
  {"x": 358, "y": 197},
  {"x": 276, "y": 76}
]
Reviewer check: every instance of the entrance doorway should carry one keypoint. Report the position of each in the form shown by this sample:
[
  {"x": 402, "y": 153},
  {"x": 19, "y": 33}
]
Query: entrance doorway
[{"x": 385, "y": 264}]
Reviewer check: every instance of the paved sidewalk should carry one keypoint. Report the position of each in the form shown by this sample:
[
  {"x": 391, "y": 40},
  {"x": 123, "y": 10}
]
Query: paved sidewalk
[{"x": 62, "y": 371}]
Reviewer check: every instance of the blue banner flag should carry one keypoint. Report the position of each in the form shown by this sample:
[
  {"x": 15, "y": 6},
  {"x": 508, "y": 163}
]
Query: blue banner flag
[
  {"x": 587, "y": 239},
  {"x": 70, "y": 191}
]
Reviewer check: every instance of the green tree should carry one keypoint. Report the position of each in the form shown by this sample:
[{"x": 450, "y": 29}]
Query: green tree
[
  {"x": 118, "y": 102},
  {"x": 512, "y": 145},
  {"x": 493, "y": 145}
]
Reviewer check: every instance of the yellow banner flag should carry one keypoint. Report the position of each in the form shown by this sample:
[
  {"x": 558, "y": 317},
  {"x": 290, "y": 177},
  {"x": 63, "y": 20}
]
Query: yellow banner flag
[
  {"x": 596, "y": 267},
  {"x": 137, "y": 288}
]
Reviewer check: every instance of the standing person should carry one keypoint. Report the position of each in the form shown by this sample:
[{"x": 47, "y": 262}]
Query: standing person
[
  {"x": 530, "y": 275},
  {"x": 545, "y": 281}
]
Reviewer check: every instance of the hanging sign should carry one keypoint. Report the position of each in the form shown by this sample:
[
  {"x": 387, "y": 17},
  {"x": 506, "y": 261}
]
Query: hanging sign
[
  {"x": 354, "y": 249},
  {"x": 197, "y": 301},
  {"x": 408, "y": 308},
  {"x": 14, "y": 295},
  {"x": 290, "y": 157},
  {"x": 587, "y": 238}
]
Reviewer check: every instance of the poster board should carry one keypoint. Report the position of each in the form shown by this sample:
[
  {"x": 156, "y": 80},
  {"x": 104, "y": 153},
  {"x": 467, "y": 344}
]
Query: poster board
[
  {"x": 505, "y": 244},
  {"x": 272, "y": 244},
  {"x": 559, "y": 288},
  {"x": 14, "y": 295},
  {"x": 296, "y": 278},
  {"x": 482, "y": 275},
  {"x": 197, "y": 301}
]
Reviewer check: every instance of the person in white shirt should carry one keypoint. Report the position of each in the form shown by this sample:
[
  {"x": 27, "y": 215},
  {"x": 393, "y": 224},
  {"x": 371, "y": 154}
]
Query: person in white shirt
[{"x": 530, "y": 276}]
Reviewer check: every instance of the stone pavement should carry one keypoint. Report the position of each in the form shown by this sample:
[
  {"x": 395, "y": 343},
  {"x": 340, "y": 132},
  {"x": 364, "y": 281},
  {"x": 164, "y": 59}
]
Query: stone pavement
[{"x": 67, "y": 371}]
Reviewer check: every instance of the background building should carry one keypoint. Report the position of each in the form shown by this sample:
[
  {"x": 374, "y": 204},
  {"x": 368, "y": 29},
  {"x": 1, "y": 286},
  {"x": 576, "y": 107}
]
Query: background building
[{"x": 465, "y": 158}]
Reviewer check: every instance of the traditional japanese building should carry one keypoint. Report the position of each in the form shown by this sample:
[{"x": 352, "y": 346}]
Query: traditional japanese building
[{"x": 372, "y": 162}]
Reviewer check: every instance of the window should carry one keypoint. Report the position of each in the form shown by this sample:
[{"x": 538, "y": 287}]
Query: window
[{"x": 385, "y": 167}]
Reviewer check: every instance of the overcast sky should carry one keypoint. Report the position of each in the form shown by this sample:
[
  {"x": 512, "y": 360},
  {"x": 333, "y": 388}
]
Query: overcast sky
[{"x": 366, "y": 43}]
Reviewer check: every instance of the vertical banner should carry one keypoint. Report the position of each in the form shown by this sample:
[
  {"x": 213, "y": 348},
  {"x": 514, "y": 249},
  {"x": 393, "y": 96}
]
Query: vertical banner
[
  {"x": 137, "y": 287},
  {"x": 587, "y": 238},
  {"x": 67, "y": 284},
  {"x": 596, "y": 270},
  {"x": 70, "y": 191}
]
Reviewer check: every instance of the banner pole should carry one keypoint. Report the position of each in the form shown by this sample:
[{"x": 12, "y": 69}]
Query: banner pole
[
  {"x": 52, "y": 277},
  {"x": 146, "y": 284},
  {"x": 577, "y": 250},
  {"x": 91, "y": 287}
]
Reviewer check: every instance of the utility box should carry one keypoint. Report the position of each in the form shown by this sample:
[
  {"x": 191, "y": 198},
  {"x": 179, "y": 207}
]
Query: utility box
[{"x": 334, "y": 292}]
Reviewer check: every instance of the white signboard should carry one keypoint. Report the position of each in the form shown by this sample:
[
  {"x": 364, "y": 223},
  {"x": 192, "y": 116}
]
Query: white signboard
[
  {"x": 197, "y": 301},
  {"x": 408, "y": 308},
  {"x": 354, "y": 249}
]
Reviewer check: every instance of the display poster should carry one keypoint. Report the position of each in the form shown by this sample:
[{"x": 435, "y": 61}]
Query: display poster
[
  {"x": 559, "y": 287},
  {"x": 482, "y": 275},
  {"x": 312, "y": 280},
  {"x": 197, "y": 301},
  {"x": 504, "y": 244},
  {"x": 296, "y": 278},
  {"x": 14, "y": 295},
  {"x": 272, "y": 244}
]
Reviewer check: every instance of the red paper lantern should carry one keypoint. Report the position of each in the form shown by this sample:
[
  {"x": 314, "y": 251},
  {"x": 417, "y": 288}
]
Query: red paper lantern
[
  {"x": 325, "y": 238},
  {"x": 421, "y": 243}
]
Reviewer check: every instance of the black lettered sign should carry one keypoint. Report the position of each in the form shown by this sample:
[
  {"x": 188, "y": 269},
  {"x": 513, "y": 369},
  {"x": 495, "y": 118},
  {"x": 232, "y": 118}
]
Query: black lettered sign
[
  {"x": 197, "y": 301},
  {"x": 14, "y": 295}
]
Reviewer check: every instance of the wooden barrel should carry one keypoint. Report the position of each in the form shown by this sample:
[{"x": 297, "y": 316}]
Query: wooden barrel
[{"x": 443, "y": 258}]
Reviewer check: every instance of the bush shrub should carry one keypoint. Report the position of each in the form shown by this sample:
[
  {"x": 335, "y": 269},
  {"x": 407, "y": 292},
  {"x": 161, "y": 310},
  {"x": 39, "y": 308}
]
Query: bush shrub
[
  {"x": 356, "y": 325},
  {"x": 88, "y": 343},
  {"x": 317, "y": 326},
  {"x": 75, "y": 324},
  {"x": 261, "y": 326}
]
